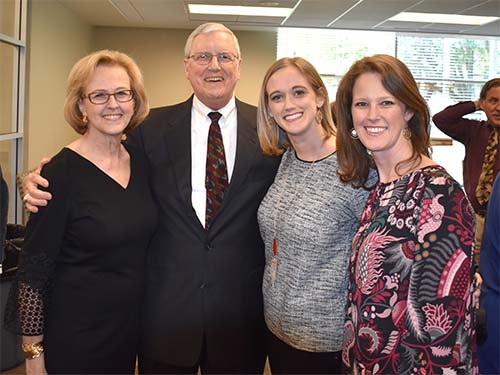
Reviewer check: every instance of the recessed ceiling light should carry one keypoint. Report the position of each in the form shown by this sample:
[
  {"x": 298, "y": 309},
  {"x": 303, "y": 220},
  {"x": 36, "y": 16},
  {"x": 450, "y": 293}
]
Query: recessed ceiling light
[
  {"x": 458, "y": 19},
  {"x": 237, "y": 10}
]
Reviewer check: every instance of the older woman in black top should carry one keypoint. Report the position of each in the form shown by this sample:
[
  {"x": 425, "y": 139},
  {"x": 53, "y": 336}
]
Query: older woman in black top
[{"x": 81, "y": 274}]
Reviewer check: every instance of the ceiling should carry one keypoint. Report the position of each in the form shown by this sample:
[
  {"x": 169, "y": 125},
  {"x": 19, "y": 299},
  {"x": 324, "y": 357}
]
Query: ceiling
[{"x": 334, "y": 14}]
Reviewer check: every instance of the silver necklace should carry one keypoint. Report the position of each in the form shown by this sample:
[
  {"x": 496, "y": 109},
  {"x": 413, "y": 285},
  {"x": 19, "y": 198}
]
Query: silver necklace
[{"x": 298, "y": 189}]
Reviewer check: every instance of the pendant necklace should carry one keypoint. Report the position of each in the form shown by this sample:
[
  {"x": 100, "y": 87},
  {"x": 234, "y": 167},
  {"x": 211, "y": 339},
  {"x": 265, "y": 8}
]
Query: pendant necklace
[{"x": 298, "y": 189}]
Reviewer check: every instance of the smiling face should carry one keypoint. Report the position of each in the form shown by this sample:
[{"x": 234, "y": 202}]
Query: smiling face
[
  {"x": 112, "y": 117},
  {"x": 491, "y": 106},
  {"x": 214, "y": 83},
  {"x": 293, "y": 103},
  {"x": 379, "y": 119}
]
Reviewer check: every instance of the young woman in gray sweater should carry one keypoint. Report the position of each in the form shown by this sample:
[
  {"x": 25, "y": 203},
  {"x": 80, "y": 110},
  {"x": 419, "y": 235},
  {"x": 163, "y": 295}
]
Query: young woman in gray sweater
[{"x": 307, "y": 221}]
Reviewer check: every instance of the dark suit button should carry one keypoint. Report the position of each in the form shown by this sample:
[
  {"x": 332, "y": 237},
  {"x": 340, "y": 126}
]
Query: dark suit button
[
  {"x": 209, "y": 247},
  {"x": 203, "y": 286}
]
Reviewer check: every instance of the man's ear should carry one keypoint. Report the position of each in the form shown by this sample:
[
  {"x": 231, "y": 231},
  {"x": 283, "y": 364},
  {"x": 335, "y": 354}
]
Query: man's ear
[{"x": 186, "y": 69}]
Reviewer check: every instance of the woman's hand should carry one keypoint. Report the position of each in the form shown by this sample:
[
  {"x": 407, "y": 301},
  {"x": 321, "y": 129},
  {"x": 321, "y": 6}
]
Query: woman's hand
[{"x": 36, "y": 366}]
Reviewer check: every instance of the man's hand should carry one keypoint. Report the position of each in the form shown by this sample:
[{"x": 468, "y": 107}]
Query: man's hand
[
  {"x": 478, "y": 282},
  {"x": 35, "y": 197}
]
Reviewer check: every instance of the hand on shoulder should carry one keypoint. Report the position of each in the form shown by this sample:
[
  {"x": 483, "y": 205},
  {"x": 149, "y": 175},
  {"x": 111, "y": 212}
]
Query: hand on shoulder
[{"x": 35, "y": 197}]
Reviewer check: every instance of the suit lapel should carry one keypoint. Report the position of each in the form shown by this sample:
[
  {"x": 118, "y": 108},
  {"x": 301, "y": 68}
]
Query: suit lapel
[
  {"x": 246, "y": 151},
  {"x": 178, "y": 145}
]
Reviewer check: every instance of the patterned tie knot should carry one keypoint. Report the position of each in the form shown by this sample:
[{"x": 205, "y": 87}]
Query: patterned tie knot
[{"x": 214, "y": 116}]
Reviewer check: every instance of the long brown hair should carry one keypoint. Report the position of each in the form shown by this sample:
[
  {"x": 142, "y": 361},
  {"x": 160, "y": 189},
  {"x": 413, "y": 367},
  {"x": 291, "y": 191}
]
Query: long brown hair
[
  {"x": 353, "y": 157},
  {"x": 273, "y": 140}
]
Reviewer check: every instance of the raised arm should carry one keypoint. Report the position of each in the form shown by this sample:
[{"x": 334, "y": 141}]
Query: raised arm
[{"x": 451, "y": 120}]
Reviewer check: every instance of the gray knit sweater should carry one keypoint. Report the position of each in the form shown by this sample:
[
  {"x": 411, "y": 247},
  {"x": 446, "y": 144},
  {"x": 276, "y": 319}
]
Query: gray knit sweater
[{"x": 314, "y": 217}]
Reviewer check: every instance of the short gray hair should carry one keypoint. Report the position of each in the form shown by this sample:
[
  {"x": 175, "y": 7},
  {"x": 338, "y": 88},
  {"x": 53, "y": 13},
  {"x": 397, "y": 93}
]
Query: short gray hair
[{"x": 208, "y": 28}]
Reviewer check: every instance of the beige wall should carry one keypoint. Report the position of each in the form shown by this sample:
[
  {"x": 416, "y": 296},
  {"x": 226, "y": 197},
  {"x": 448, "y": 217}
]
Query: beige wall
[
  {"x": 160, "y": 52},
  {"x": 58, "y": 38}
]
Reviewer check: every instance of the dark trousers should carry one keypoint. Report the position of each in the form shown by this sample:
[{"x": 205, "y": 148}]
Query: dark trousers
[
  {"x": 284, "y": 359},
  {"x": 152, "y": 366}
]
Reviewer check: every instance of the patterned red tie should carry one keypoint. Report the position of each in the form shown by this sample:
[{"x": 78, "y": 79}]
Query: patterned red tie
[{"x": 216, "y": 180}]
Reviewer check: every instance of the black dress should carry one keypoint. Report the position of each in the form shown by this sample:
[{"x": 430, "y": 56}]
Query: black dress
[{"x": 82, "y": 269}]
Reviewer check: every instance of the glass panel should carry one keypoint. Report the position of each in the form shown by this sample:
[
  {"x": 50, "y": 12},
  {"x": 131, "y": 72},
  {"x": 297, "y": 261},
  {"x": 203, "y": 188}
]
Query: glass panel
[
  {"x": 8, "y": 89},
  {"x": 332, "y": 52},
  {"x": 442, "y": 93},
  {"x": 8, "y": 164},
  {"x": 448, "y": 69},
  {"x": 332, "y": 84},
  {"x": 9, "y": 16},
  {"x": 469, "y": 59},
  {"x": 450, "y": 157},
  {"x": 422, "y": 55}
]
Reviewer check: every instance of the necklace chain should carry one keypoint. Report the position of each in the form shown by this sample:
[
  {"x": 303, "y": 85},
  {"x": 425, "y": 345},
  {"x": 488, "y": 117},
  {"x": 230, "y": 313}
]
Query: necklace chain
[{"x": 297, "y": 190}]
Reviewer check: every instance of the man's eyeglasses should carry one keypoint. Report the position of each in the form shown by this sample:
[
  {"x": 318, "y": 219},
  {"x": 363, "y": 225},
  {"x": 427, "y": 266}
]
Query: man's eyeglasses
[
  {"x": 99, "y": 97},
  {"x": 204, "y": 58}
]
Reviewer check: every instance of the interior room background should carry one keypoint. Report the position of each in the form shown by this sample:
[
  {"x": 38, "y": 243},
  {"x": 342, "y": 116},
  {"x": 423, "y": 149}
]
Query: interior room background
[{"x": 40, "y": 40}]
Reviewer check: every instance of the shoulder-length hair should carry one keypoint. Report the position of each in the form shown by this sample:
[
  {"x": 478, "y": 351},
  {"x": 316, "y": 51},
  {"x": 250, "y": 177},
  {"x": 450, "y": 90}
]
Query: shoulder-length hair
[
  {"x": 354, "y": 159},
  {"x": 80, "y": 76},
  {"x": 273, "y": 140}
]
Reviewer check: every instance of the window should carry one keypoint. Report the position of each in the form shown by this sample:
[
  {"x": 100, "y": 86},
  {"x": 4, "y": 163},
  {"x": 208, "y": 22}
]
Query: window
[
  {"x": 447, "y": 68},
  {"x": 12, "y": 76}
]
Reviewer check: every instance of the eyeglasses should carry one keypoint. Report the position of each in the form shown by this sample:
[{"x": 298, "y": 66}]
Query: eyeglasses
[
  {"x": 99, "y": 97},
  {"x": 204, "y": 58}
]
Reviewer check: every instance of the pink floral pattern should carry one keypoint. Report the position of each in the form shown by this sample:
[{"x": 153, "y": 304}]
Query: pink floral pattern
[{"x": 410, "y": 284}]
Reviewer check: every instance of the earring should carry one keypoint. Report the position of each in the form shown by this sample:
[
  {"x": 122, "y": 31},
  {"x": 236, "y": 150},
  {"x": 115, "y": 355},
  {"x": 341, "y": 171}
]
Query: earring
[
  {"x": 270, "y": 122},
  {"x": 319, "y": 116},
  {"x": 85, "y": 119},
  {"x": 354, "y": 134},
  {"x": 407, "y": 133}
]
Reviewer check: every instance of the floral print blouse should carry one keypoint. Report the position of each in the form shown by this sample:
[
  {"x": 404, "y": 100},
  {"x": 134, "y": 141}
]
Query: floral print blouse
[{"x": 410, "y": 286}]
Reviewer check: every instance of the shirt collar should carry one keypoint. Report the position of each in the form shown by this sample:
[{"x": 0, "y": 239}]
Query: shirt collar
[{"x": 203, "y": 110}]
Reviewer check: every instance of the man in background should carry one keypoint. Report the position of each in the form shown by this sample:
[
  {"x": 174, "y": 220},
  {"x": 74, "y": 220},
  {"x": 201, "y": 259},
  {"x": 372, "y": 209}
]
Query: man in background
[{"x": 480, "y": 138}]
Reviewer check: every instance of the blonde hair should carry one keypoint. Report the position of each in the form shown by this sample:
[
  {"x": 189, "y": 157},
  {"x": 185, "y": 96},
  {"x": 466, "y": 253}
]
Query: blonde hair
[
  {"x": 80, "y": 76},
  {"x": 273, "y": 140}
]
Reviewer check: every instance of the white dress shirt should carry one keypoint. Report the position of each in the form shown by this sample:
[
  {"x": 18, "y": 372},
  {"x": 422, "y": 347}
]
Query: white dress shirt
[{"x": 200, "y": 125}]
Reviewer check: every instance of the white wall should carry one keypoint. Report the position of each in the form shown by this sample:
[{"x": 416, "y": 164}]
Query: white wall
[{"x": 57, "y": 39}]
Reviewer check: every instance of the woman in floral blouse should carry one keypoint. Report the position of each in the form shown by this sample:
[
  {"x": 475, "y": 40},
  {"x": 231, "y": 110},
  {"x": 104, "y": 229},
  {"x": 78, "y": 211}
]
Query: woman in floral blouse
[{"x": 410, "y": 286}]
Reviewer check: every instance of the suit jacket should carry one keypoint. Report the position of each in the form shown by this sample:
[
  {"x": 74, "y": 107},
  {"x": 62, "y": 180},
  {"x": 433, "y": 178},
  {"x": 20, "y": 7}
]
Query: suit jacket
[{"x": 204, "y": 284}]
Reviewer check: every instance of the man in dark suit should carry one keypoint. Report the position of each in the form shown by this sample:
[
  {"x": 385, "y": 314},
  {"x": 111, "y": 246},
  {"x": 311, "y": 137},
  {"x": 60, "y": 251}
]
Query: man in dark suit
[{"x": 203, "y": 305}]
